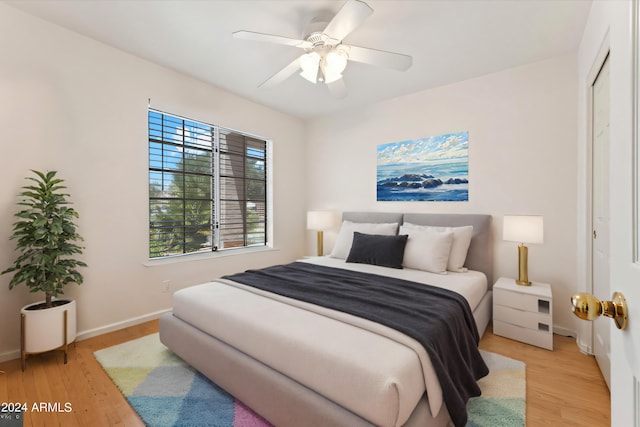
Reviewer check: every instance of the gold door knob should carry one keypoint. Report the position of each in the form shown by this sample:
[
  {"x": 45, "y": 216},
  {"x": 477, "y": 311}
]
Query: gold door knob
[{"x": 588, "y": 307}]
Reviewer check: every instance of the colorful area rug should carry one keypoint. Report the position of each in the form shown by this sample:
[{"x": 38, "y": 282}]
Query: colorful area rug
[
  {"x": 165, "y": 391},
  {"x": 502, "y": 403}
]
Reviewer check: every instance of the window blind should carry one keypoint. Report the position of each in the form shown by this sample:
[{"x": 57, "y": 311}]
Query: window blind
[{"x": 207, "y": 187}]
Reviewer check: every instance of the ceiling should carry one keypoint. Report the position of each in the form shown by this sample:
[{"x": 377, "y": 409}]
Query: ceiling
[{"x": 450, "y": 40}]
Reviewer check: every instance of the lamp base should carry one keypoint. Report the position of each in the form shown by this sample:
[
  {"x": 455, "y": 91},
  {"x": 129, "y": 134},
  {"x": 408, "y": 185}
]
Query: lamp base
[
  {"x": 320, "y": 240},
  {"x": 523, "y": 276}
]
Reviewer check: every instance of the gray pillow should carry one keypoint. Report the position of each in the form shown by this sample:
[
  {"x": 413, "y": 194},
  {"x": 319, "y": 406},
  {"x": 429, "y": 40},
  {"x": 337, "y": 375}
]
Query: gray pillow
[{"x": 385, "y": 251}]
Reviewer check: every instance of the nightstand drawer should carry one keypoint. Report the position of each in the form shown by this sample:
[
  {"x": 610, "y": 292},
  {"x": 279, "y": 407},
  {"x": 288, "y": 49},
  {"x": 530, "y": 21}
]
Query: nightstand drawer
[
  {"x": 525, "y": 319},
  {"x": 534, "y": 337},
  {"x": 522, "y": 301}
]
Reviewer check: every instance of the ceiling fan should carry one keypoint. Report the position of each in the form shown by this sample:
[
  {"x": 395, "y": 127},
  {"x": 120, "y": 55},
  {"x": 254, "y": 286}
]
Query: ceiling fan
[{"x": 326, "y": 56}]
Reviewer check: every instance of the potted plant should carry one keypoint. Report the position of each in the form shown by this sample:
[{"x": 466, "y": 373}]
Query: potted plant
[{"x": 47, "y": 240}]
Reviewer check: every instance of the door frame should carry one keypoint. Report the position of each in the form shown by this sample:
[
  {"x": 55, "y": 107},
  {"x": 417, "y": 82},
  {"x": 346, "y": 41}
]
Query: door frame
[
  {"x": 586, "y": 339},
  {"x": 600, "y": 285}
]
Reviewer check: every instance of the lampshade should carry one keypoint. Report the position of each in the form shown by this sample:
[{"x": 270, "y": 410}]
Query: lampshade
[
  {"x": 320, "y": 220},
  {"x": 523, "y": 228},
  {"x": 333, "y": 65},
  {"x": 309, "y": 64}
]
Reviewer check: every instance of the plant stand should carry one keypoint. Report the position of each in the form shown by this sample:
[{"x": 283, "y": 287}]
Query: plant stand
[{"x": 56, "y": 329}]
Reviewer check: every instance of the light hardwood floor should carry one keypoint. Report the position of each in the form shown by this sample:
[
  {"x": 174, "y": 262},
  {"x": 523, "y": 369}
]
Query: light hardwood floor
[{"x": 564, "y": 387}]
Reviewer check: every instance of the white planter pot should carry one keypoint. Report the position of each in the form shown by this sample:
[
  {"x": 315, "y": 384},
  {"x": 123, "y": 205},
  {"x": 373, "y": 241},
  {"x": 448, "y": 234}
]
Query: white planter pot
[{"x": 43, "y": 330}]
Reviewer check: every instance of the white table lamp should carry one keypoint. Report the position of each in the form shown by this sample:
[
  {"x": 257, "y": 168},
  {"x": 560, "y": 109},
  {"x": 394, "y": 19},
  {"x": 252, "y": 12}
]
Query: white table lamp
[
  {"x": 523, "y": 229},
  {"x": 320, "y": 221}
]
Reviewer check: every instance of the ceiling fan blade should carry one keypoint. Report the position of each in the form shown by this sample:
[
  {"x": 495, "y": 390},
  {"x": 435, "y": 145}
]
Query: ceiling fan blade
[
  {"x": 271, "y": 38},
  {"x": 381, "y": 58},
  {"x": 282, "y": 75},
  {"x": 349, "y": 17},
  {"x": 338, "y": 89}
]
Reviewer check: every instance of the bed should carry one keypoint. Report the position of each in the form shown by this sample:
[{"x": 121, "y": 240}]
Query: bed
[{"x": 298, "y": 363}]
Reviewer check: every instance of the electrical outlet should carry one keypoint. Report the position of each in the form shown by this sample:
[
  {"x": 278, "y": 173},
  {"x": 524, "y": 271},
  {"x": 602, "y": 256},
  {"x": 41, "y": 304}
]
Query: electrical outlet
[{"x": 166, "y": 285}]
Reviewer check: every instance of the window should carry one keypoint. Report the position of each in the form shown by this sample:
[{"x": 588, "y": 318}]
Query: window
[{"x": 207, "y": 187}]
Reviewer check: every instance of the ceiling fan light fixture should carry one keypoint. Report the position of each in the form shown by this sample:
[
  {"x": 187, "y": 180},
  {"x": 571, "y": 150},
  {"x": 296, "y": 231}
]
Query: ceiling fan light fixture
[
  {"x": 326, "y": 57},
  {"x": 333, "y": 64},
  {"x": 335, "y": 61},
  {"x": 309, "y": 64}
]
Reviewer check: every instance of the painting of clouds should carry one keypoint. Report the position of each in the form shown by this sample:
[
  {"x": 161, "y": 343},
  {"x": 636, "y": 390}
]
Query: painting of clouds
[{"x": 427, "y": 169}]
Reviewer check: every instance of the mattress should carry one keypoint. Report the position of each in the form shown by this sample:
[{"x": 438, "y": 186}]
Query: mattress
[{"x": 373, "y": 371}]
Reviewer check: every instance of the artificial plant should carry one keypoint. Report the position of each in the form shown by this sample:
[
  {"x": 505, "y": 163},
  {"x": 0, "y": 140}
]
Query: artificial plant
[{"x": 47, "y": 238}]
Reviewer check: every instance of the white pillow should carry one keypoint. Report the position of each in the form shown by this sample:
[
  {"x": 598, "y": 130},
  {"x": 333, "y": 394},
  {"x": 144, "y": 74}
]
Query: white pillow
[
  {"x": 459, "y": 247},
  {"x": 344, "y": 239},
  {"x": 427, "y": 249}
]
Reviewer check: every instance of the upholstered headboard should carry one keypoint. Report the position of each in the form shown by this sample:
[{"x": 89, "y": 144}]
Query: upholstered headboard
[{"x": 480, "y": 254}]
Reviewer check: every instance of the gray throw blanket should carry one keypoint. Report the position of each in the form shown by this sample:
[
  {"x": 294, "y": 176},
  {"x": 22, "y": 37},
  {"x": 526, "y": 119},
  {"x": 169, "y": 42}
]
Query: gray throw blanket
[{"x": 439, "y": 319}]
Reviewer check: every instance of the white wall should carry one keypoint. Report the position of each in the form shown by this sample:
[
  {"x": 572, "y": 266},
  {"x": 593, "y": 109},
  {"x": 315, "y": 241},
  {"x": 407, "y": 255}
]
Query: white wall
[
  {"x": 80, "y": 107},
  {"x": 522, "y": 160}
]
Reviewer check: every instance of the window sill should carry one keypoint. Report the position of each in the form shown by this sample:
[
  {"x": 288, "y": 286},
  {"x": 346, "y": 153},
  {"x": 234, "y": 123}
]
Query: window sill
[{"x": 206, "y": 255}]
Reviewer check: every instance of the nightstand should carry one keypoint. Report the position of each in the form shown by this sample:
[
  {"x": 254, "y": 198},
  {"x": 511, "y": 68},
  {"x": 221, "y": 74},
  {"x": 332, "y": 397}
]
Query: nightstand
[{"x": 523, "y": 313}]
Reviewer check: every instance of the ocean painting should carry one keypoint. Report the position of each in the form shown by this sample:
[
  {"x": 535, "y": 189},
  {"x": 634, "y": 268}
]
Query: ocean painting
[{"x": 427, "y": 169}]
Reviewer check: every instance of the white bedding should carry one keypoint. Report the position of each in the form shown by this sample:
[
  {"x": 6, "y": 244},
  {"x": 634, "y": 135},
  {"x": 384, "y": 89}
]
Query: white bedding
[
  {"x": 471, "y": 284},
  {"x": 374, "y": 371}
]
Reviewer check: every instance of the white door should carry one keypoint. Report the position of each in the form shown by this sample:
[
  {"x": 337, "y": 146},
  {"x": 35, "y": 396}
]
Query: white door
[
  {"x": 600, "y": 210},
  {"x": 625, "y": 231},
  {"x": 625, "y": 278}
]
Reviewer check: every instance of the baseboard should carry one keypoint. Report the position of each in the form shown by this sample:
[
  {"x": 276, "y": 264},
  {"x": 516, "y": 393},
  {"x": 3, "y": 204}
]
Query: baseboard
[
  {"x": 83, "y": 335},
  {"x": 558, "y": 330},
  {"x": 9, "y": 355},
  {"x": 585, "y": 348}
]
